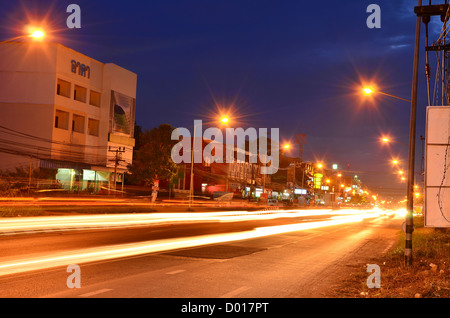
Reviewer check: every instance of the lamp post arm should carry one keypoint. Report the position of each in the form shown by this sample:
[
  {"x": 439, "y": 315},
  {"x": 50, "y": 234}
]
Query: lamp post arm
[{"x": 406, "y": 100}]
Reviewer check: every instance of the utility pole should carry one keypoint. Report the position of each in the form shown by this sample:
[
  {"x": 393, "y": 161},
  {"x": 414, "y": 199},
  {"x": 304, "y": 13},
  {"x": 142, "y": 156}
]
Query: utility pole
[
  {"x": 424, "y": 13},
  {"x": 412, "y": 141},
  {"x": 31, "y": 170},
  {"x": 117, "y": 158},
  {"x": 295, "y": 166}
]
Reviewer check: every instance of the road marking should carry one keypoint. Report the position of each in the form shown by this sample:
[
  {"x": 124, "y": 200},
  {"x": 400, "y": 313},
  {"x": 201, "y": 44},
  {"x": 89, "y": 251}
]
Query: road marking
[
  {"x": 176, "y": 272},
  {"x": 95, "y": 292},
  {"x": 235, "y": 292},
  {"x": 388, "y": 248}
]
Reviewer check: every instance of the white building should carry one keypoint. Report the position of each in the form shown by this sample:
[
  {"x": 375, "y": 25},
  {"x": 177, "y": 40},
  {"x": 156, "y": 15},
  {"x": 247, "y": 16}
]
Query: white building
[{"x": 63, "y": 111}]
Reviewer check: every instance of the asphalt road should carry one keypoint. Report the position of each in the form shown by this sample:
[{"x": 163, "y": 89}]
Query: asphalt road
[{"x": 282, "y": 263}]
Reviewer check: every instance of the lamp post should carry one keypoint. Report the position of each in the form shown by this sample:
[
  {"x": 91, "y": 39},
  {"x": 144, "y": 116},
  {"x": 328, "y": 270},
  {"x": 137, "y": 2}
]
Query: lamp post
[
  {"x": 387, "y": 140},
  {"x": 287, "y": 147},
  {"x": 36, "y": 34},
  {"x": 223, "y": 120},
  {"x": 369, "y": 91},
  {"x": 409, "y": 224}
]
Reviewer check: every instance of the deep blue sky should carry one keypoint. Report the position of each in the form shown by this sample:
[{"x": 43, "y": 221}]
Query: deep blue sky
[{"x": 293, "y": 65}]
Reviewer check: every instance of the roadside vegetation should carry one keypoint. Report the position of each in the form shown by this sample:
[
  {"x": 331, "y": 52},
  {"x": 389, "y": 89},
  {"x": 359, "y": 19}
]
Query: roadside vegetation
[
  {"x": 428, "y": 277},
  {"x": 13, "y": 211}
]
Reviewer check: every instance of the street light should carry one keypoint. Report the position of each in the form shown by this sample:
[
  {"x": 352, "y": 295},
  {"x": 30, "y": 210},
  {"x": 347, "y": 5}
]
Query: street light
[
  {"x": 367, "y": 90},
  {"x": 223, "y": 120},
  {"x": 370, "y": 90},
  {"x": 37, "y": 34},
  {"x": 387, "y": 140},
  {"x": 411, "y": 147}
]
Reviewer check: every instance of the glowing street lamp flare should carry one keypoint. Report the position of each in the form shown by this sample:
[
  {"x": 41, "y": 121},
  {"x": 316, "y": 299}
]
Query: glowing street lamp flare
[
  {"x": 37, "y": 34},
  {"x": 287, "y": 146},
  {"x": 387, "y": 140},
  {"x": 224, "y": 120},
  {"x": 367, "y": 90}
]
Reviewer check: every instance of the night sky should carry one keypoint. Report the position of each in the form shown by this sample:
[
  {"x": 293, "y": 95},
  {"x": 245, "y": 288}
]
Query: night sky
[{"x": 293, "y": 65}]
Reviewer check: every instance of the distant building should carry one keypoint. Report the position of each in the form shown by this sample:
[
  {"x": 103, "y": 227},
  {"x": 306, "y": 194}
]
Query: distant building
[
  {"x": 64, "y": 112},
  {"x": 242, "y": 178}
]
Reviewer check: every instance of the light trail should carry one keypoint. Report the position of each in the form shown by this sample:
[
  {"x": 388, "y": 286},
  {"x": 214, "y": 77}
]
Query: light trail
[
  {"x": 80, "y": 256},
  {"x": 68, "y": 223}
]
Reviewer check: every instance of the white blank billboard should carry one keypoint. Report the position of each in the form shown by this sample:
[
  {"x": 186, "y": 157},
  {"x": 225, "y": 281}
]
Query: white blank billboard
[{"x": 437, "y": 167}]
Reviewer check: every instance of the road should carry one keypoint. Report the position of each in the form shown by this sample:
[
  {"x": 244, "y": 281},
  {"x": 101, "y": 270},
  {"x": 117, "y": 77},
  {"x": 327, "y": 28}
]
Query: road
[{"x": 267, "y": 254}]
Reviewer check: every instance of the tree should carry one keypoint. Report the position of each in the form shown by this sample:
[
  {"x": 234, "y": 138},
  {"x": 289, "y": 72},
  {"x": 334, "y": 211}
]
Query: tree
[{"x": 153, "y": 159}]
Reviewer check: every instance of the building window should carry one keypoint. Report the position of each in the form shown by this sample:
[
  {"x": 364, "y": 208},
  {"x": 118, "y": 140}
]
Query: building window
[
  {"x": 94, "y": 98},
  {"x": 78, "y": 123},
  {"x": 80, "y": 93},
  {"x": 93, "y": 127},
  {"x": 63, "y": 88},
  {"x": 61, "y": 119}
]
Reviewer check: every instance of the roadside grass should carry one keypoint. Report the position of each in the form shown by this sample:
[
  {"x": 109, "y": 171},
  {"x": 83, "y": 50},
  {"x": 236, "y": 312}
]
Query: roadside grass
[
  {"x": 427, "y": 277},
  {"x": 12, "y": 211}
]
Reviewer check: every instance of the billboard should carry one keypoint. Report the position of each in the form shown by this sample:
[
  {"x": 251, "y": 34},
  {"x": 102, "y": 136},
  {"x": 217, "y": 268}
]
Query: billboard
[
  {"x": 318, "y": 180},
  {"x": 122, "y": 112},
  {"x": 437, "y": 167}
]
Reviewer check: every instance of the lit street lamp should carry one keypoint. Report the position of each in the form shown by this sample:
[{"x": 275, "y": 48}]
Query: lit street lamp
[
  {"x": 369, "y": 91},
  {"x": 223, "y": 120},
  {"x": 387, "y": 140},
  {"x": 411, "y": 147},
  {"x": 37, "y": 34}
]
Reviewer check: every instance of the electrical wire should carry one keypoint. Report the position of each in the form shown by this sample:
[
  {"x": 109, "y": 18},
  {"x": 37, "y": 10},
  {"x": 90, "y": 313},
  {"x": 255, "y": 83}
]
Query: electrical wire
[
  {"x": 28, "y": 145},
  {"x": 13, "y": 132},
  {"x": 440, "y": 203}
]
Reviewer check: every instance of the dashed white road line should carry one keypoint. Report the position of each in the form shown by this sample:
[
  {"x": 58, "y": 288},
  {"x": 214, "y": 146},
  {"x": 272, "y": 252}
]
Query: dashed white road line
[
  {"x": 100, "y": 291},
  {"x": 388, "y": 247},
  {"x": 235, "y": 292},
  {"x": 175, "y": 272}
]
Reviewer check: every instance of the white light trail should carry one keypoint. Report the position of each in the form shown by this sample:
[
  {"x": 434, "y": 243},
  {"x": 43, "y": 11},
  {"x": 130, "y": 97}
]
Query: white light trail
[
  {"x": 132, "y": 249},
  {"x": 66, "y": 223}
]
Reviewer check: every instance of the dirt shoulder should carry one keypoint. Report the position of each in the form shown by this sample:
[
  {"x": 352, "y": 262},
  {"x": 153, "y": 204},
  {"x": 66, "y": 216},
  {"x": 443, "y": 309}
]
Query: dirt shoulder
[{"x": 428, "y": 277}]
